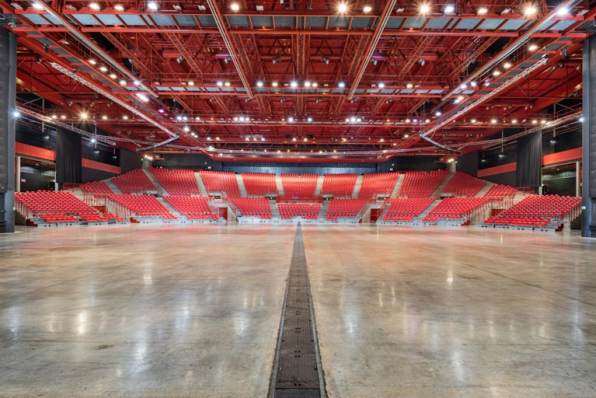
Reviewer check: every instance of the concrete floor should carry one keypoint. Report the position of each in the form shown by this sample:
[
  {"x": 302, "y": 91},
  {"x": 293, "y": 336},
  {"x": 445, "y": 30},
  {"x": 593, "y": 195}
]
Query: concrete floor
[{"x": 193, "y": 311}]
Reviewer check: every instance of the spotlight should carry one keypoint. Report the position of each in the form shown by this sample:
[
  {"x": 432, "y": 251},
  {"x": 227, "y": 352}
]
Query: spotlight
[
  {"x": 153, "y": 5},
  {"x": 37, "y": 6},
  {"x": 493, "y": 121},
  {"x": 186, "y": 129},
  {"x": 293, "y": 84},
  {"x": 307, "y": 84},
  {"x": 235, "y": 7},
  {"x": 341, "y": 84},
  {"x": 463, "y": 86},
  {"x": 514, "y": 121},
  {"x": 93, "y": 140},
  {"x": 104, "y": 117},
  {"x": 381, "y": 85},
  {"x": 16, "y": 114},
  {"x": 438, "y": 113},
  {"x": 367, "y": 9},
  {"x": 530, "y": 11},
  {"x": 507, "y": 65},
  {"x": 259, "y": 84},
  {"x": 84, "y": 115},
  {"x": 103, "y": 69},
  {"x": 563, "y": 11},
  {"x": 119, "y": 7},
  {"x": 424, "y": 8},
  {"x": 482, "y": 11},
  {"x": 219, "y": 83},
  {"x": 94, "y": 6},
  {"x": 92, "y": 61},
  {"x": 227, "y": 84},
  {"x": 473, "y": 84},
  {"x": 274, "y": 84},
  {"x": 191, "y": 83},
  {"x": 409, "y": 85},
  {"x": 449, "y": 9},
  {"x": 113, "y": 76},
  {"x": 581, "y": 119},
  {"x": 533, "y": 47},
  {"x": 342, "y": 8},
  {"x": 123, "y": 82},
  {"x": 309, "y": 119},
  {"x": 496, "y": 73}
]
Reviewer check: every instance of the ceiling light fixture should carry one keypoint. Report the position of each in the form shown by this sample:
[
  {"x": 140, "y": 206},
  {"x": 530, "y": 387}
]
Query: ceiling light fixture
[
  {"x": 153, "y": 5},
  {"x": 367, "y": 9},
  {"x": 94, "y": 6},
  {"x": 342, "y": 8},
  {"x": 482, "y": 11}
]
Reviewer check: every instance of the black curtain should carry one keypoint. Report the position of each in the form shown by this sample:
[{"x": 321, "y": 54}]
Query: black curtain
[
  {"x": 529, "y": 161},
  {"x": 468, "y": 164},
  {"x": 69, "y": 156}
]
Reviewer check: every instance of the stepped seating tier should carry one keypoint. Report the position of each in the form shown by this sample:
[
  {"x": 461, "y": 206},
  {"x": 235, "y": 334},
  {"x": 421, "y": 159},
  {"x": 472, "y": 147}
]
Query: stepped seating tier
[
  {"x": 344, "y": 208},
  {"x": 420, "y": 184},
  {"x": 254, "y": 207},
  {"x": 259, "y": 184},
  {"x": 192, "y": 207},
  {"x": 30, "y": 204},
  {"x": 287, "y": 211},
  {"x": 339, "y": 184},
  {"x": 135, "y": 181},
  {"x": 303, "y": 186},
  {"x": 406, "y": 210},
  {"x": 533, "y": 211},
  {"x": 377, "y": 183},
  {"x": 462, "y": 184},
  {"x": 500, "y": 191},
  {"x": 222, "y": 182},
  {"x": 177, "y": 182},
  {"x": 142, "y": 206},
  {"x": 455, "y": 209},
  {"x": 96, "y": 187}
]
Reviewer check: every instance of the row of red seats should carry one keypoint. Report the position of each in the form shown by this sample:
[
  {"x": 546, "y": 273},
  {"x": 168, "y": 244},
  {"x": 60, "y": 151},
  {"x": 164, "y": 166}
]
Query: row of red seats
[
  {"x": 303, "y": 186},
  {"x": 143, "y": 206},
  {"x": 377, "y": 183},
  {"x": 135, "y": 181},
  {"x": 259, "y": 184},
  {"x": 100, "y": 218},
  {"x": 192, "y": 207},
  {"x": 406, "y": 209},
  {"x": 58, "y": 218},
  {"x": 339, "y": 184},
  {"x": 344, "y": 208},
  {"x": 500, "y": 191},
  {"x": 533, "y": 222},
  {"x": 222, "y": 182},
  {"x": 462, "y": 184},
  {"x": 545, "y": 206},
  {"x": 96, "y": 187},
  {"x": 455, "y": 208},
  {"x": 177, "y": 182},
  {"x": 420, "y": 184},
  {"x": 254, "y": 207},
  {"x": 50, "y": 202},
  {"x": 287, "y": 211}
]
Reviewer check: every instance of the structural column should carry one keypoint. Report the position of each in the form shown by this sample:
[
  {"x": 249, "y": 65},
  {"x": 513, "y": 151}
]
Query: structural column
[
  {"x": 589, "y": 139},
  {"x": 8, "y": 63}
]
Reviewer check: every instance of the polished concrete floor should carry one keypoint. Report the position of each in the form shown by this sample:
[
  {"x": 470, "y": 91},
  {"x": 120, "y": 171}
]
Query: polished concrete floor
[{"x": 177, "y": 311}]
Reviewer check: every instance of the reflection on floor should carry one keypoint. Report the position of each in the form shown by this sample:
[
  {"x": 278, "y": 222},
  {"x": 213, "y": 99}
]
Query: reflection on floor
[{"x": 170, "y": 311}]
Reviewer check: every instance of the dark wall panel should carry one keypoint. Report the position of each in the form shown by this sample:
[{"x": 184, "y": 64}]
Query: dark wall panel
[
  {"x": 130, "y": 160},
  {"x": 559, "y": 183},
  {"x": 95, "y": 175},
  {"x": 529, "y": 161},
  {"x": 468, "y": 164},
  {"x": 190, "y": 161},
  {"x": 504, "y": 179},
  {"x": 69, "y": 156}
]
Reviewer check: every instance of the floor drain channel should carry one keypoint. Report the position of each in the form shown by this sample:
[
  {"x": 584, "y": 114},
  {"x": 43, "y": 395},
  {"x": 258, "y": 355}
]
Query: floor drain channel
[{"x": 297, "y": 369}]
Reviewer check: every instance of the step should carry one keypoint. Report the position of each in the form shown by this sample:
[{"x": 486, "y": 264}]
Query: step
[
  {"x": 241, "y": 186},
  {"x": 428, "y": 210},
  {"x": 159, "y": 187},
  {"x": 280, "y": 186},
  {"x": 357, "y": 187},
  {"x": 397, "y": 187},
  {"x": 112, "y": 186},
  {"x": 319, "y": 186},
  {"x": 484, "y": 189},
  {"x": 323, "y": 212},
  {"x": 274, "y": 209},
  {"x": 442, "y": 185},
  {"x": 170, "y": 208},
  {"x": 201, "y": 184}
]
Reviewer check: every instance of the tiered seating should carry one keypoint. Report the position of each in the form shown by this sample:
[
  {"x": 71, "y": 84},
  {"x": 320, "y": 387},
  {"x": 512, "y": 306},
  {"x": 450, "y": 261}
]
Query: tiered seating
[
  {"x": 259, "y": 184},
  {"x": 455, "y": 209},
  {"x": 420, "y": 184},
  {"x": 59, "y": 218},
  {"x": 106, "y": 217},
  {"x": 177, "y": 182},
  {"x": 377, "y": 183},
  {"x": 143, "y": 206},
  {"x": 135, "y": 181},
  {"x": 192, "y": 207},
  {"x": 406, "y": 209},
  {"x": 254, "y": 207},
  {"x": 296, "y": 186},
  {"x": 462, "y": 184},
  {"x": 539, "y": 211},
  {"x": 344, "y": 208},
  {"x": 96, "y": 187},
  {"x": 339, "y": 184},
  {"x": 500, "y": 192},
  {"x": 221, "y": 182},
  {"x": 30, "y": 204},
  {"x": 287, "y": 211}
]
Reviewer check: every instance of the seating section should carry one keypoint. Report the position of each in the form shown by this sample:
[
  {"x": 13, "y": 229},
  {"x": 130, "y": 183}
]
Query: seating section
[
  {"x": 308, "y": 211},
  {"x": 56, "y": 218},
  {"x": 259, "y": 184},
  {"x": 377, "y": 183},
  {"x": 303, "y": 186},
  {"x": 344, "y": 208},
  {"x": 177, "y": 182},
  {"x": 223, "y": 182},
  {"x": 143, "y": 206},
  {"x": 97, "y": 187},
  {"x": 406, "y": 210},
  {"x": 500, "y": 192},
  {"x": 106, "y": 217},
  {"x": 30, "y": 204},
  {"x": 339, "y": 184},
  {"x": 420, "y": 184},
  {"x": 254, "y": 207},
  {"x": 534, "y": 211},
  {"x": 135, "y": 181},
  {"x": 455, "y": 209},
  {"x": 462, "y": 184},
  {"x": 192, "y": 207}
]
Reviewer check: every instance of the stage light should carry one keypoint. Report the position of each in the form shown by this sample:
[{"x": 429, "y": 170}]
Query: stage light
[
  {"x": 293, "y": 84},
  {"x": 341, "y": 84},
  {"x": 530, "y": 11},
  {"x": 123, "y": 82},
  {"x": 153, "y": 5},
  {"x": 219, "y": 83},
  {"x": 367, "y": 9},
  {"x": 119, "y": 7},
  {"x": 533, "y": 47},
  {"x": 16, "y": 114},
  {"x": 424, "y": 8},
  {"x": 235, "y": 7},
  {"x": 449, "y": 9},
  {"x": 482, "y": 11},
  {"x": 259, "y": 84},
  {"x": 342, "y": 8},
  {"x": 84, "y": 115},
  {"x": 94, "y": 6},
  {"x": 381, "y": 85}
]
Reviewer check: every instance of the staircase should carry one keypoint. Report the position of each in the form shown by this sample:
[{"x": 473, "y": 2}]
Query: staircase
[
  {"x": 201, "y": 185},
  {"x": 323, "y": 212},
  {"x": 274, "y": 209},
  {"x": 171, "y": 209},
  {"x": 319, "y": 186},
  {"x": 241, "y": 186},
  {"x": 112, "y": 186},
  {"x": 397, "y": 187},
  {"x": 385, "y": 209},
  {"x": 442, "y": 185},
  {"x": 484, "y": 189},
  {"x": 428, "y": 210},
  {"x": 159, "y": 187},
  {"x": 280, "y": 186},
  {"x": 357, "y": 187}
]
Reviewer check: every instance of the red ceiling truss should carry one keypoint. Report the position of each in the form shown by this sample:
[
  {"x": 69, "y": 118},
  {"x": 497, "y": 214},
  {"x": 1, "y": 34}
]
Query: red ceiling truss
[{"x": 367, "y": 82}]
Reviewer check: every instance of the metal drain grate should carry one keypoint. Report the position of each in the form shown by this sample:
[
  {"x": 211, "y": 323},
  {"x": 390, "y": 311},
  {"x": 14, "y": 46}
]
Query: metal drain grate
[{"x": 297, "y": 369}]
